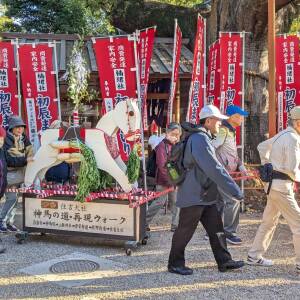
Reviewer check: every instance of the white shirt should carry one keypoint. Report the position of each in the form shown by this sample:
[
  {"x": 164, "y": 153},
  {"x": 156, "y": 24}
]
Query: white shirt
[{"x": 283, "y": 152}]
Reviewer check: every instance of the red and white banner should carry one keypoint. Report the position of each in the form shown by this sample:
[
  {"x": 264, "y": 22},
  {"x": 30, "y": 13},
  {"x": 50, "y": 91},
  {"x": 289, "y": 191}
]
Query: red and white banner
[
  {"x": 145, "y": 45},
  {"x": 175, "y": 70},
  {"x": 198, "y": 86},
  {"x": 213, "y": 76},
  {"x": 231, "y": 69},
  {"x": 287, "y": 77},
  {"x": 39, "y": 87},
  {"x": 117, "y": 73},
  {"x": 9, "y": 104}
]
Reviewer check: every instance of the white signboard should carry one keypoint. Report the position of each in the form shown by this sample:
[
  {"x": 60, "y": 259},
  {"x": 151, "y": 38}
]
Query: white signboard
[{"x": 92, "y": 217}]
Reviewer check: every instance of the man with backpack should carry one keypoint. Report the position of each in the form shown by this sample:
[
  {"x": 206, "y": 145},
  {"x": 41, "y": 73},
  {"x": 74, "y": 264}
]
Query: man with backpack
[
  {"x": 162, "y": 151},
  {"x": 197, "y": 196},
  {"x": 227, "y": 154},
  {"x": 280, "y": 157}
]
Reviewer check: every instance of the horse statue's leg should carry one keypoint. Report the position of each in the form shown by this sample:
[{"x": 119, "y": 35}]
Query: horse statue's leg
[{"x": 45, "y": 158}]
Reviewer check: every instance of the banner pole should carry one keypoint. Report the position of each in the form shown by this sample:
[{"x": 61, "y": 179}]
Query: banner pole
[
  {"x": 137, "y": 72},
  {"x": 57, "y": 82},
  {"x": 18, "y": 77},
  {"x": 243, "y": 105},
  {"x": 204, "y": 66},
  {"x": 170, "y": 112}
]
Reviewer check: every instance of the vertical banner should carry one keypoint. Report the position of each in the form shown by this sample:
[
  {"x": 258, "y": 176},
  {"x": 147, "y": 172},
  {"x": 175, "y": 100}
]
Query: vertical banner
[
  {"x": 287, "y": 77},
  {"x": 231, "y": 69},
  {"x": 175, "y": 70},
  {"x": 213, "y": 76},
  {"x": 117, "y": 73},
  {"x": 145, "y": 45},
  {"x": 9, "y": 103},
  {"x": 231, "y": 72},
  {"x": 39, "y": 87},
  {"x": 198, "y": 86}
]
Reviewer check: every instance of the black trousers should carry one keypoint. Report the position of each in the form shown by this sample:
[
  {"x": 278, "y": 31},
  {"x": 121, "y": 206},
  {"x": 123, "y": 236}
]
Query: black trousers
[{"x": 211, "y": 220}]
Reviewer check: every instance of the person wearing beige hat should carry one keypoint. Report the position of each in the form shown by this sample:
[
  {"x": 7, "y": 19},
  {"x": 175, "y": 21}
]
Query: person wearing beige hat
[{"x": 282, "y": 152}]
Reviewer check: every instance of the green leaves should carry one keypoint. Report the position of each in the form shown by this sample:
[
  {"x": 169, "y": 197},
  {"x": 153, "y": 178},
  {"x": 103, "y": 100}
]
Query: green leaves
[
  {"x": 133, "y": 166},
  {"x": 90, "y": 178}
]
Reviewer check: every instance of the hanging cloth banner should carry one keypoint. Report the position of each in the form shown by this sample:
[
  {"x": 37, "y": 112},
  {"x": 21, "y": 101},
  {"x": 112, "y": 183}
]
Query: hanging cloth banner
[
  {"x": 231, "y": 70},
  {"x": 213, "y": 76},
  {"x": 287, "y": 77},
  {"x": 39, "y": 87},
  {"x": 175, "y": 70},
  {"x": 145, "y": 45},
  {"x": 9, "y": 103},
  {"x": 117, "y": 75},
  {"x": 198, "y": 86}
]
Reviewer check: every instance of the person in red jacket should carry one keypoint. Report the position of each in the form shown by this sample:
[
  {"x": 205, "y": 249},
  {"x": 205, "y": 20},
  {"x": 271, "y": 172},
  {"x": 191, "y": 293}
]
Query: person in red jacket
[{"x": 163, "y": 149}]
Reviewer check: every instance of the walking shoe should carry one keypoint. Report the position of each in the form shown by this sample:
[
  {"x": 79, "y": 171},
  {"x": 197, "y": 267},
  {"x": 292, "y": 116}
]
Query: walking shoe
[
  {"x": 173, "y": 228},
  {"x": 180, "y": 270},
  {"x": 3, "y": 228},
  {"x": 12, "y": 228},
  {"x": 234, "y": 240},
  {"x": 259, "y": 262},
  {"x": 231, "y": 265}
]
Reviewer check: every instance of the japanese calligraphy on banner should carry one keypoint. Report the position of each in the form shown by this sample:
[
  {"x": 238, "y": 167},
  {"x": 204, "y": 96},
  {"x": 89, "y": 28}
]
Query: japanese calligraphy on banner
[
  {"x": 144, "y": 48},
  {"x": 9, "y": 103},
  {"x": 197, "y": 89},
  {"x": 213, "y": 76},
  {"x": 175, "y": 70},
  {"x": 117, "y": 73},
  {"x": 231, "y": 69},
  {"x": 39, "y": 87},
  {"x": 92, "y": 217},
  {"x": 287, "y": 77}
]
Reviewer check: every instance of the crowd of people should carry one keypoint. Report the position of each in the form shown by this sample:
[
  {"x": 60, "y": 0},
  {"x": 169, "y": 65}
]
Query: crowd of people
[
  {"x": 207, "y": 194},
  {"x": 210, "y": 195}
]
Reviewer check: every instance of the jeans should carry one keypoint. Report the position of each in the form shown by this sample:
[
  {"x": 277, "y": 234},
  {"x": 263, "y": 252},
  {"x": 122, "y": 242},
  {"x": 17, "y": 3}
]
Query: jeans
[
  {"x": 14, "y": 179},
  {"x": 189, "y": 218},
  {"x": 157, "y": 204}
]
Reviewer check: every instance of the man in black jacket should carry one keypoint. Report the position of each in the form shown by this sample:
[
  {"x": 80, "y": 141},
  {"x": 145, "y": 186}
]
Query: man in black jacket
[
  {"x": 19, "y": 151},
  {"x": 197, "y": 196}
]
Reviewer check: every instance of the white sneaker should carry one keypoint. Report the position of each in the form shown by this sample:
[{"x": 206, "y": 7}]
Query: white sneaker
[{"x": 259, "y": 262}]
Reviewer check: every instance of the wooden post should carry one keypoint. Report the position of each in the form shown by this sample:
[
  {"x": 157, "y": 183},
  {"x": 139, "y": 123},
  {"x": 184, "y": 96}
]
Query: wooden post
[
  {"x": 271, "y": 58},
  {"x": 177, "y": 96}
]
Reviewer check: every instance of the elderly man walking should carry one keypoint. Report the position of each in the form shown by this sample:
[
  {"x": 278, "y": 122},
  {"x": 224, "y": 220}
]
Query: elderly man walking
[
  {"x": 197, "y": 196},
  {"x": 283, "y": 152}
]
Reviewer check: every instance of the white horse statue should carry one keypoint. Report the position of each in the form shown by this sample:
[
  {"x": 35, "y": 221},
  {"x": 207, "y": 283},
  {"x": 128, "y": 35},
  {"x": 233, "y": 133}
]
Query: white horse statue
[{"x": 125, "y": 115}]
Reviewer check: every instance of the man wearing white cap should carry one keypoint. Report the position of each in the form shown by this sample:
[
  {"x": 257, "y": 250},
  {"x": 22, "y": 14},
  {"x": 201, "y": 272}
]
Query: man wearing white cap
[
  {"x": 197, "y": 196},
  {"x": 282, "y": 153}
]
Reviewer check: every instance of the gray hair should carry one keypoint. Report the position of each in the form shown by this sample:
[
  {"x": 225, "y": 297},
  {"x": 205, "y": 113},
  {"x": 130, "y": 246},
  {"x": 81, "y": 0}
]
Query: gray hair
[{"x": 172, "y": 126}]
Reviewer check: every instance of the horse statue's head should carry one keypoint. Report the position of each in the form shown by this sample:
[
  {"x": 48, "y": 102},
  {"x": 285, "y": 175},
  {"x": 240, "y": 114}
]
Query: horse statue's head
[{"x": 128, "y": 118}]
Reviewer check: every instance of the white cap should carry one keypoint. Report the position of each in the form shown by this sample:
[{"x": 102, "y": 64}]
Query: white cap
[{"x": 209, "y": 111}]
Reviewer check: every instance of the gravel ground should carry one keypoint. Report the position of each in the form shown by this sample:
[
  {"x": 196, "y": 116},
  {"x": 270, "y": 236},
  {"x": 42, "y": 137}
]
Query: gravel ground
[{"x": 145, "y": 276}]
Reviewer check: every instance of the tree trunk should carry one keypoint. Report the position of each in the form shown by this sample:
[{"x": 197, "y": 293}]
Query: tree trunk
[{"x": 252, "y": 17}]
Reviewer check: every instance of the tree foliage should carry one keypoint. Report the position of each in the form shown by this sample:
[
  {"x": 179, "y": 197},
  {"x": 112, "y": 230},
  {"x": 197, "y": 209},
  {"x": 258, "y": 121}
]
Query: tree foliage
[
  {"x": 295, "y": 28},
  {"x": 187, "y": 3},
  {"x": 64, "y": 16}
]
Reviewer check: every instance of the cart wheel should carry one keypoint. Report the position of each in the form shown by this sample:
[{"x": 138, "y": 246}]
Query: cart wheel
[
  {"x": 144, "y": 241},
  {"x": 42, "y": 233},
  {"x": 21, "y": 237},
  {"x": 128, "y": 252}
]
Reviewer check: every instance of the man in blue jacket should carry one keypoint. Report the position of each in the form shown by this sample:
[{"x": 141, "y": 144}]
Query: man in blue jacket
[{"x": 197, "y": 196}]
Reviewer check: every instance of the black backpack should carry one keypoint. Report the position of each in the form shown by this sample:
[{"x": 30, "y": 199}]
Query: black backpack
[{"x": 175, "y": 168}]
